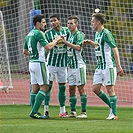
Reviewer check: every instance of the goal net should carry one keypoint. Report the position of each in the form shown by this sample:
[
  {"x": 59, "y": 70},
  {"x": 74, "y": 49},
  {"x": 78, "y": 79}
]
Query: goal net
[
  {"x": 5, "y": 74},
  {"x": 16, "y": 15}
]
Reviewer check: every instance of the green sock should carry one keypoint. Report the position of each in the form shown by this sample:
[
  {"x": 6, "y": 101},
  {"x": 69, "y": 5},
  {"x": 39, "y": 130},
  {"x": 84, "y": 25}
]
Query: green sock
[
  {"x": 104, "y": 97},
  {"x": 62, "y": 95},
  {"x": 47, "y": 97},
  {"x": 38, "y": 100},
  {"x": 32, "y": 98},
  {"x": 73, "y": 101},
  {"x": 83, "y": 99},
  {"x": 113, "y": 102}
]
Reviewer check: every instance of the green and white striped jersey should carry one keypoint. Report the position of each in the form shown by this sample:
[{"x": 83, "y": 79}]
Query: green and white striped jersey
[
  {"x": 75, "y": 58},
  {"x": 104, "y": 52},
  {"x": 57, "y": 56},
  {"x": 34, "y": 43}
]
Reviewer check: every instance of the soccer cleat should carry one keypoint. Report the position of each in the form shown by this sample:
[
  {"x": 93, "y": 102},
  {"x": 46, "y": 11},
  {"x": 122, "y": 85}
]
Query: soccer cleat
[
  {"x": 39, "y": 113},
  {"x": 112, "y": 117},
  {"x": 72, "y": 114},
  {"x": 82, "y": 115},
  {"x": 37, "y": 116},
  {"x": 62, "y": 115}
]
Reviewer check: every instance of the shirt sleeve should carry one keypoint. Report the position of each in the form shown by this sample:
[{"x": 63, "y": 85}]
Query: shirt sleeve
[
  {"x": 110, "y": 39},
  {"x": 41, "y": 38},
  {"x": 80, "y": 38},
  {"x": 25, "y": 46}
]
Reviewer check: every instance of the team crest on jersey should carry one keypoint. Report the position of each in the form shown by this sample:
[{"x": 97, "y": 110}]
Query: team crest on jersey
[
  {"x": 96, "y": 45},
  {"x": 60, "y": 43}
]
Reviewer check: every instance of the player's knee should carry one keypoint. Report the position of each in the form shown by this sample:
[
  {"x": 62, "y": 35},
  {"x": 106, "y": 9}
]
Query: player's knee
[
  {"x": 96, "y": 89},
  {"x": 72, "y": 91}
]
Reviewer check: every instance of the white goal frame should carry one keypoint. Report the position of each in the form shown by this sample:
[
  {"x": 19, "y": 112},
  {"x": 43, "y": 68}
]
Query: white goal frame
[{"x": 5, "y": 86}]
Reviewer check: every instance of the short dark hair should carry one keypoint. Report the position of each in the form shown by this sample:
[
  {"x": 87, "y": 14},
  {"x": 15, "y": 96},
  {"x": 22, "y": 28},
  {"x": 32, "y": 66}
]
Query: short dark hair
[
  {"x": 74, "y": 17},
  {"x": 100, "y": 17},
  {"x": 55, "y": 16},
  {"x": 37, "y": 18}
]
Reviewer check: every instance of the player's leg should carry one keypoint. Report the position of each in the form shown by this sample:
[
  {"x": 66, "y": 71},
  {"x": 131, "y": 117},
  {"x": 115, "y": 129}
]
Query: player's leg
[
  {"x": 72, "y": 100},
  {"x": 62, "y": 99},
  {"x": 81, "y": 81},
  {"x": 83, "y": 100},
  {"x": 35, "y": 86},
  {"x": 97, "y": 83},
  {"x": 72, "y": 92},
  {"x": 52, "y": 72},
  {"x": 40, "y": 71},
  {"x": 113, "y": 101},
  {"x": 61, "y": 79},
  {"x": 47, "y": 100},
  {"x": 38, "y": 100},
  {"x": 111, "y": 75},
  {"x": 102, "y": 95},
  {"x": 33, "y": 93}
]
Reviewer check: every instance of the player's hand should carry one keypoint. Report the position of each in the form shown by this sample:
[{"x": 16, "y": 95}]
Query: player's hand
[
  {"x": 86, "y": 42},
  {"x": 120, "y": 71},
  {"x": 58, "y": 38},
  {"x": 63, "y": 39}
]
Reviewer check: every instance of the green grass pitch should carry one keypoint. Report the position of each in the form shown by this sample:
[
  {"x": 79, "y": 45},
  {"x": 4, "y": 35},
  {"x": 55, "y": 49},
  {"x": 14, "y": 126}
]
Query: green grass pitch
[{"x": 15, "y": 119}]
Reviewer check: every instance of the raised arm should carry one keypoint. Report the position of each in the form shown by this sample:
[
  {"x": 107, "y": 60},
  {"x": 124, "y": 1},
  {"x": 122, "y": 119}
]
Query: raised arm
[
  {"x": 92, "y": 43},
  {"x": 50, "y": 45},
  {"x": 76, "y": 47}
]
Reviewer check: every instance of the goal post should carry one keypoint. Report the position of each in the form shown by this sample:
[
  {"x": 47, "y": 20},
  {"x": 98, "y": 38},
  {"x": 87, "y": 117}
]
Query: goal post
[{"x": 5, "y": 72}]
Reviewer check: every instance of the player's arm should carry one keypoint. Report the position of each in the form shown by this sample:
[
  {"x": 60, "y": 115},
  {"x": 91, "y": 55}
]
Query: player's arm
[
  {"x": 25, "y": 49},
  {"x": 117, "y": 60},
  {"x": 110, "y": 40},
  {"x": 44, "y": 42},
  {"x": 50, "y": 45},
  {"x": 76, "y": 47},
  {"x": 92, "y": 43}
]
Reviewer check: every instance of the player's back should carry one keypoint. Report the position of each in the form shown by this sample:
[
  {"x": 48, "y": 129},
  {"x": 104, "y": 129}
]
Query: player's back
[{"x": 34, "y": 47}]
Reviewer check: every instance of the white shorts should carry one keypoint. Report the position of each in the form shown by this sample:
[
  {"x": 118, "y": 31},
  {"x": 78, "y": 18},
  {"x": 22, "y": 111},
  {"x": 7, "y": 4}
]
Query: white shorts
[
  {"x": 39, "y": 73},
  {"x": 77, "y": 76},
  {"x": 60, "y": 73},
  {"x": 105, "y": 77}
]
